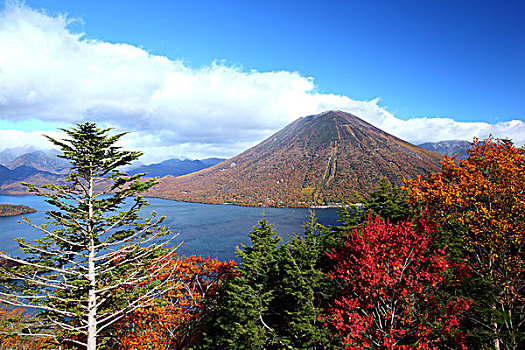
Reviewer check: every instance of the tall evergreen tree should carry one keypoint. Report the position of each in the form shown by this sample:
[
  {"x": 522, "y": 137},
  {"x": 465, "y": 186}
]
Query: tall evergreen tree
[
  {"x": 390, "y": 203},
  {"x": 86, "y": 271},
  {"x": 275, "y": 301},
  {"x": 306, "y": 287},
  {"x": 243, "y": 318}
]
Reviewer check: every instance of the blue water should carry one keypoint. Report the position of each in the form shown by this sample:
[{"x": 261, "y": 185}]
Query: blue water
[{"x": 204, "y": 229}]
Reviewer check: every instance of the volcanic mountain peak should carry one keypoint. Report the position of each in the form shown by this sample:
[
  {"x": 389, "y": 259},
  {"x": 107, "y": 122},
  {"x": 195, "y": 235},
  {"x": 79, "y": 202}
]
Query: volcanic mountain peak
[{"x": 318, "y": 159}]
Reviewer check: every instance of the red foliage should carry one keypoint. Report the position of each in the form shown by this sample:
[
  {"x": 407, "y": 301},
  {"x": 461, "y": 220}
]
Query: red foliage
[
  {"x": 392, "y": 296},
  {"x": 172, "y": 321}
]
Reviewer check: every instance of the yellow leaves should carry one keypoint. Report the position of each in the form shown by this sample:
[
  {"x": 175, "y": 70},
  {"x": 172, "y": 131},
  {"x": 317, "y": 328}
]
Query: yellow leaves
[{"x": 486, "y": 194}]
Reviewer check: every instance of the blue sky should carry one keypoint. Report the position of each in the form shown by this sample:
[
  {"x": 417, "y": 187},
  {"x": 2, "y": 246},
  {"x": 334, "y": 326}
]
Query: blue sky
[{"x": 409, "y": 67}]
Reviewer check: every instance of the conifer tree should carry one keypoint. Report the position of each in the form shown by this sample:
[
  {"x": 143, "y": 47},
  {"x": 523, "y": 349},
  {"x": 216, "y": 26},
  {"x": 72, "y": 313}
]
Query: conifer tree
[
  {"x": 389, "y": 202},
  {"x": 243, "y": 318},
  {"x": 87, "y": 270},
  {"x": 306, "y": 286},
  {"x": 275, "y": 301}
]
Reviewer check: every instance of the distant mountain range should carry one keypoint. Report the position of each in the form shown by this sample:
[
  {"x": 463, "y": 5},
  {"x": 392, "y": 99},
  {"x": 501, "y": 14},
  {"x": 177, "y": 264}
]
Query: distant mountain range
[
  {"x": 9, "y": 154},
  {"x": 10, "y": 179},
  {"x": 36, "y": 167},
  {"x": 42, "y": 161},
  {"x": 320, "y": 159},
  {"x": 42, "y": 167},
  {"x": 450, "y": 147},
  {"x": 175, "y": 167}
]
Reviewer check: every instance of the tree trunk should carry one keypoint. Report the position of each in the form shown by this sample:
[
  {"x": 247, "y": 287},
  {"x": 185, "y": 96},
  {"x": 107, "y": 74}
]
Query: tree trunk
[
  {"x": 496, "y": 337},
  {"x": 92, "y": 303},
  {"x": 92, "y": 297}
]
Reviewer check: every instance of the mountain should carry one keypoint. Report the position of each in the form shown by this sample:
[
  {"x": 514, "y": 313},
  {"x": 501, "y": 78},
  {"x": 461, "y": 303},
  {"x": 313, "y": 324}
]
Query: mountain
[
  {"x": 4, "y": 172},
  {"x": 40, "y": 167},
  {"x": 36, "y": 167},
  {"x": 320, "y": 159},
  {"x": 175, "y": 167},
  {"x": 212, "y": 161},
  {"x": 450, "y": 147},
  {"x": 42, "y": 161},
  {"x": 9, "y": 154},
  {"x": 10, "y": 179}
]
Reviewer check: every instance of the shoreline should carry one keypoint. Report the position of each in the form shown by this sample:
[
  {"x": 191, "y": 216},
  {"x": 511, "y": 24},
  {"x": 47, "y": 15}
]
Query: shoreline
[{"x": 260, "y": 205}]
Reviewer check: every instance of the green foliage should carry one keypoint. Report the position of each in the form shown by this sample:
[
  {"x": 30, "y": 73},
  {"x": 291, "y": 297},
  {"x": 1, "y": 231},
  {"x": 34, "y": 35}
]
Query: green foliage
[
  {"x": 389, "y": 202},
  {"x": 241, "y": 317},
  {"x": 307, "y": 289},
  {"x": 276, "y": 299}
]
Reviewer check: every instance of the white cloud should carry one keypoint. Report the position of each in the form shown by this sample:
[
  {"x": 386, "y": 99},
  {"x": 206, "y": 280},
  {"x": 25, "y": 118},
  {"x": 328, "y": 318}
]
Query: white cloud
[
  {"x": 17, "y": 138},
  {"x": 51, "y": 74}
]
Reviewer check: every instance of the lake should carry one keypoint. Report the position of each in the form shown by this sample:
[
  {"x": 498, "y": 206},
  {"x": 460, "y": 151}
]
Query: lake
[{"x": 204, "y": 229}]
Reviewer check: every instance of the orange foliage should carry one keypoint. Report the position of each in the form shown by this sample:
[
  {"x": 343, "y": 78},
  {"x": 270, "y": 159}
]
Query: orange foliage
[
  {"x": 485, "y": 193},
  {"x": 11, "y": 319},
  {"x": 172, "y": 321}
]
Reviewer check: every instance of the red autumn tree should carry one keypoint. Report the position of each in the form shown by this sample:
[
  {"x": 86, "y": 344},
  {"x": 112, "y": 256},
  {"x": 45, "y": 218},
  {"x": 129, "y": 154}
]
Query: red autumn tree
[
  {"x": 392, "y": 295},
  {"x": 173, "y": 320}
]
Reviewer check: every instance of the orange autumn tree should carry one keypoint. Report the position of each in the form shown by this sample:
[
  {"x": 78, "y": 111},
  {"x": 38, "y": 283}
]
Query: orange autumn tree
[
  {"x": 485, "y": 194},
  {"x": 12, "y": 321},
  {"x": 173, "y": 320}
]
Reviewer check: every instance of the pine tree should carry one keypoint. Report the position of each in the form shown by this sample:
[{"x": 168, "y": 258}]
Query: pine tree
[
  {"x": 389, "y": 202},
  {"x": 87, "y": 270},
  {"x": 306, "y": 288},
  {"x": 275, "y": 301},
  {"x": 243, "y": 318}
]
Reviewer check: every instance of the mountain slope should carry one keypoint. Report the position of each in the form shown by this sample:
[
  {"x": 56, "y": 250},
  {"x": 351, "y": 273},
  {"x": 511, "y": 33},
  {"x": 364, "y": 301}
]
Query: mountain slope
[
  {"x": 10, "y": 179},
  {"x": 41, "y": 161},
  {"x": 37, "y": 168},
  {"x": 9, "y": 154},
  {"x": 319, "y": 159}
]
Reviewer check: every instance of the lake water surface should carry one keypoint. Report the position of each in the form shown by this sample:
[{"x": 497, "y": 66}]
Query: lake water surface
[{"x": 204, "y": 229}]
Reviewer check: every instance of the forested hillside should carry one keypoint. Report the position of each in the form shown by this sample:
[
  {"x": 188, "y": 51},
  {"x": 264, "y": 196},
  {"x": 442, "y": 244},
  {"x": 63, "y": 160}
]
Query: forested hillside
[{"x": 11, "y": 209}]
